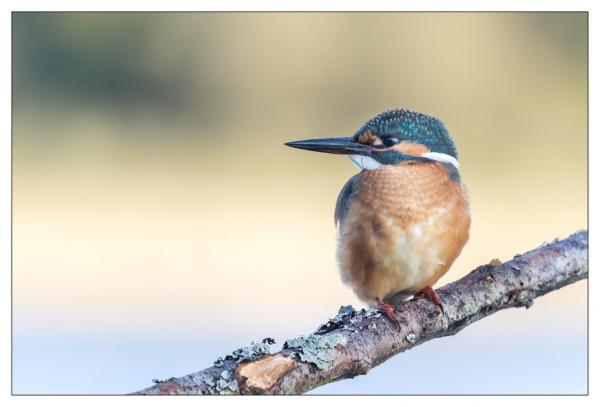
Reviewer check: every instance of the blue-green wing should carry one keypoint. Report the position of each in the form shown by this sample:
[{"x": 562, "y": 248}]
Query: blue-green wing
[{"x": 344, "y": 199}]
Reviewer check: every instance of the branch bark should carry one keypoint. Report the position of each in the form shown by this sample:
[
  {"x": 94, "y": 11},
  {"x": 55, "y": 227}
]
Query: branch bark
[{"x": 353, "y": 342}]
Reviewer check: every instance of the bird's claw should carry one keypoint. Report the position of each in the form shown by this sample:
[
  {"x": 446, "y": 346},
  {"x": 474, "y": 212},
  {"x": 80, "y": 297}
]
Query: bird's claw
[
  {"x": 432, "y": 295},
  {"x": 388, "y": 311}
]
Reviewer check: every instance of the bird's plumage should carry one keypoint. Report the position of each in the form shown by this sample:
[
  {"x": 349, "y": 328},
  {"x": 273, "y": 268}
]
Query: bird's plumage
[
  {"x": 342, "y": 205},
  {"x": 402, "y": 228},
  {"x": 404, "y": 218},
  {"x": 405, "y": 124}
]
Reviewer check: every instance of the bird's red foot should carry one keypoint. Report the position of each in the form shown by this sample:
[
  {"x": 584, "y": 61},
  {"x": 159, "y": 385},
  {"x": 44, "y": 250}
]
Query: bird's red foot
[
  {"x": 430, "y": 293},
  {"x": 388, "y": 311}
]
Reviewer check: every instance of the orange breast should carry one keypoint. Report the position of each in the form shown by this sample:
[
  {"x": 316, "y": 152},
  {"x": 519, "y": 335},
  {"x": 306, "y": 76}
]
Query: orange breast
[{"x": 405, "y": 227}]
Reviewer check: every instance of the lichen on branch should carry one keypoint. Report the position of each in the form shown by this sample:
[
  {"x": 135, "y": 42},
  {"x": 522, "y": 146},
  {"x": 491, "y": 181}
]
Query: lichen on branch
[{"x": 355, "y": 341}]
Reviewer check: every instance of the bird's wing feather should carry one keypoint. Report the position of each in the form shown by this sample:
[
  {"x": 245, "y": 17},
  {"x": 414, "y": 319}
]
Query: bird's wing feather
[{"x": 343, "y": 201}]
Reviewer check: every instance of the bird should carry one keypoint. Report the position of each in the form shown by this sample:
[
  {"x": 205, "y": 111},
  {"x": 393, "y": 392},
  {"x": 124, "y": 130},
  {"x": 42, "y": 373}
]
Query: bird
[{"x": 404, "y": 218}]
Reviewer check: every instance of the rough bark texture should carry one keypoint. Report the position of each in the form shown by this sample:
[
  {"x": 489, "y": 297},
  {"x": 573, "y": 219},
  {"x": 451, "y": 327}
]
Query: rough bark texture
[{"x": 353, "y": 342}]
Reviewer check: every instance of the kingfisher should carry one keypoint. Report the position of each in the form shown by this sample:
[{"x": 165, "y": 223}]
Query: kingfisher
[{"x": 404, "y": 218}]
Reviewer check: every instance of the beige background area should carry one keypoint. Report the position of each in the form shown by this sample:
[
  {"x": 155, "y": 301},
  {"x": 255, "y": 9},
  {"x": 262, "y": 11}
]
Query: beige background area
[{"x": 160, "y": 222}]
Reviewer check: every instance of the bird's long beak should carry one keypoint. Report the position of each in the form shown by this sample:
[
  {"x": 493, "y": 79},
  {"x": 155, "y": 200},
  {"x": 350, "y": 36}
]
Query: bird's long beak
[{"x": 339, "y": 145}]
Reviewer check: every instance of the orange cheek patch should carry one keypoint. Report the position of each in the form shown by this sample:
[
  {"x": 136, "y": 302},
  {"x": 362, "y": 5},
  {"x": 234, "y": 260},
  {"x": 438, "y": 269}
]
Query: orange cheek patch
[
  {"x": 411, "y": 148},
  {"x": 368, "y": 138}
]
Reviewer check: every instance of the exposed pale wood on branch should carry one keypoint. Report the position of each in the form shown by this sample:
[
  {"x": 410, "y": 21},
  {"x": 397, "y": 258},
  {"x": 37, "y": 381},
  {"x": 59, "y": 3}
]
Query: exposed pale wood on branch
[{"x": 354, "y": 342}]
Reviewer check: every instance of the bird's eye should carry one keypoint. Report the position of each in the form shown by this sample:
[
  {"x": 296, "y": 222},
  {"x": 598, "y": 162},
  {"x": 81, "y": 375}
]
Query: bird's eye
[{"x": 390, "y": 141}]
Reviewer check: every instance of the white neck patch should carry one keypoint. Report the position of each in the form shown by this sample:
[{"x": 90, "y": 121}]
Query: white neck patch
[
  {"x": 367, "y": 163},
  {"x": 364, "y": 162},
  {"x": 443, "y": 158}
]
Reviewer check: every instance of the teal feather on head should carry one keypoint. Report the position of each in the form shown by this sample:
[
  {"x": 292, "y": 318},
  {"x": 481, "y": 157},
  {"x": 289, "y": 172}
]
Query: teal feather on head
[{"x": 412, "y": 127}]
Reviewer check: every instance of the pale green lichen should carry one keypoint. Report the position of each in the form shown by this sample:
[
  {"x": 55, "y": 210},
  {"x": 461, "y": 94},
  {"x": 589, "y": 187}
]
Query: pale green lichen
[
  {"x": 472, "y": 308},
  {"x": 316, "y": 349},
  {"x": 341, "y": 320},
  {"x": 523, "y": 296},
  {"x": 226, "y": 385},
  {"x": 254, "y": 351}
]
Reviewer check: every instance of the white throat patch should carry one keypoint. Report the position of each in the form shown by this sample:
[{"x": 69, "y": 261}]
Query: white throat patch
[
  {"x": 443, "y": 158},
  {"x": 367, "y": 163},
  {"x": 364, "y": 162}
]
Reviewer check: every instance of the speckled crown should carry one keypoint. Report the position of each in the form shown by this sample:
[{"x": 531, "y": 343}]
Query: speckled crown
[{"x": 414, "y": 127}]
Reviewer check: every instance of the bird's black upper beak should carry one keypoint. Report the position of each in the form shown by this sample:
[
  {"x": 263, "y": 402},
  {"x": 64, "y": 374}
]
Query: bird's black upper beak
[{"x": 339, "y": 145}]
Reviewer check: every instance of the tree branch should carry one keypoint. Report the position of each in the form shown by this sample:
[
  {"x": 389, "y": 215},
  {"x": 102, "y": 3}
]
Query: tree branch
[{"x": 353, "y": 342}]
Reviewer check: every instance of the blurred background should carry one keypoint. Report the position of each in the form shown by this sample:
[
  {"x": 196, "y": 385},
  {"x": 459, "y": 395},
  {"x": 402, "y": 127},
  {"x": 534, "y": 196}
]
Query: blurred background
[{"x": 159, "y": 222}]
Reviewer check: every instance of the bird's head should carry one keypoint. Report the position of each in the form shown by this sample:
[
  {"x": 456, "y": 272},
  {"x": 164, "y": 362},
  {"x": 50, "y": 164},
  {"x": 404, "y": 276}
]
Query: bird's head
[{"x": 391, "y": 138}]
